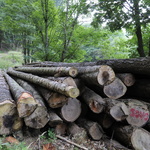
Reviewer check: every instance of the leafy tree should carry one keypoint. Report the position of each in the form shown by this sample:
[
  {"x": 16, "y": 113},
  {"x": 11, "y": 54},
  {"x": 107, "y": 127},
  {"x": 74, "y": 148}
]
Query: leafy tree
[{"x": 124, "y": 14}]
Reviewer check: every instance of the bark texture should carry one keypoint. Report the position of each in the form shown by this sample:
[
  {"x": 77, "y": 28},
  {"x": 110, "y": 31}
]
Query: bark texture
[
  {"x": 52, "y": 85},
  {"x": 51, "y": 71}
]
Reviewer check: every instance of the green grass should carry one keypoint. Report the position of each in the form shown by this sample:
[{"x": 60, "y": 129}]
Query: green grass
[{"x": 10, "y": 59}]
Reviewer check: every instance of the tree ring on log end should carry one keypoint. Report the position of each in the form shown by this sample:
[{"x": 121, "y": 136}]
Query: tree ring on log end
[
  {"x": 72, "y": 91},
  {"x": 73, "y": 72},
  {"x": 106, "y": 75}
]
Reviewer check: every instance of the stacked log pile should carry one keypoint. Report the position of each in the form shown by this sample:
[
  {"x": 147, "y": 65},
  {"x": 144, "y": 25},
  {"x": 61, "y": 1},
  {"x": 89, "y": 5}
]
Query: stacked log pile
[{"x": 103, "y": 100}]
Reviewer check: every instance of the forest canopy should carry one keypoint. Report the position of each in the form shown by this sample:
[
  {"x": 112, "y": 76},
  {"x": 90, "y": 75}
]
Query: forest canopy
[{"x": 55, "y": 30}]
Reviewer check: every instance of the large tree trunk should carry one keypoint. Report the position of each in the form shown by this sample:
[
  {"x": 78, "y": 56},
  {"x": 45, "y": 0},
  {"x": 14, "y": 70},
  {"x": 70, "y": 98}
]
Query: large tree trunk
[
  {"x": 9, "y": 121},
  {"x": 136, "y": 138},
  {"x": 39, "y": 118},
  {"x": 102, "y": 75},
  {"x": 52, "y": 85},
  {"x": 26, "y": 104},
  {"x": 51, "y": 71}
]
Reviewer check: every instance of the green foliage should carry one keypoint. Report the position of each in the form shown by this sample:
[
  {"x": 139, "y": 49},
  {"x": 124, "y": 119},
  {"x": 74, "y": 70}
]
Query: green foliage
[
  {"x": 50, "y": 137},
  {"x": 10, "y": 59},
  {"x": 8, "y": 146}
]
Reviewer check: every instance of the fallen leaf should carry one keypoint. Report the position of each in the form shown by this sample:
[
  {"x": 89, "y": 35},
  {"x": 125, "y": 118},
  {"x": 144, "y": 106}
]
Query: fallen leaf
[
  {"x": 12, "y": 140},
  {"x": 48, "y": 146}
]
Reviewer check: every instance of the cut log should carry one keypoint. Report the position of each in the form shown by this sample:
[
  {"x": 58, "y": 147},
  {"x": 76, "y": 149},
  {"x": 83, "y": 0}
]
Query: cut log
[
  {"x": 115, "y": 90},
  {"x": 94, "y": 130},
  {"x": 54, "y": 119},
  {"x": 113, "y": 145},
  {"x": 51, "y": 71},
  {"x": 52, "y": 85},
  {"x": 118, "y": 110},
  {"x": 71, "y": 110},
  {"x": 26, "y": 104},
  {"x": 135, "y": 65},
  {"x": 8, "y": 111},
  {"x": 136, "y": 138},
  {"x": 39, "y": 118},
  {"x": 54, "y": 99},
  {"x": 103, "y": 76},
  {"x": 127, "y": 78},
  {"x": 92, "y": 99},
  {"x": 138, "y": 112},
  {"x": 78, "y": 134},
  {"x": 61, "y": 129}
]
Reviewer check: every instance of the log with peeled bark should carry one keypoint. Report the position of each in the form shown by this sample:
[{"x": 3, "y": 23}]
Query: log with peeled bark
[
  {"x": 71, "y": 110},
  {"x": 92, "y": 99},
  {"x": 54, "y": 119},
  {"x": 115, "y": 90},
  {"x": 118, "y": 110},
  {"x": 9, "y": 120},
  {"x": 53, "y": 99},
  {"x": 39, "y": 118},
  {"x": 78, "y": 134},
  {"x": 52, "y": 85},
  {"x": 102, "y": 76},
  {"x": 136, "y": 138},
  {"x": 26, "y": 104},
  {"x": 94, "y": 130},
  {"x": 127, "y": 78},
  {"x": 51, "y": 71}
]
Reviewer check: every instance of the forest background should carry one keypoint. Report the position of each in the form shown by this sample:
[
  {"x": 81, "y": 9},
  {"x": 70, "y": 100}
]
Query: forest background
[{"x": 56, "y": 30}]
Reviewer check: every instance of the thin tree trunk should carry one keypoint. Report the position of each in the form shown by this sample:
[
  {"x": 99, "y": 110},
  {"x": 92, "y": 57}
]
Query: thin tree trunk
[
  {"x": 39, "y": 118},
  {"x": 9, "y": 120},
  {"x": 52, "y": 85},
  {"x": 138, "y": 28},
  {"x": 26, "y": 104},
  {"x": 51, "y": 71}
]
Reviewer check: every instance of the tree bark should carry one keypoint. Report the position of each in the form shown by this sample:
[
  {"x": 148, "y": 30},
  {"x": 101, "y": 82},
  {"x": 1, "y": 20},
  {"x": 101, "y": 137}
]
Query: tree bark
[
  {"x": 94, "y": 101},
  {"x": 53, "y": 99},
  {"x": 103, "y": 75},
  {"x": 51, "y": 71},
  {"x": 9, "y": 121},
  {"x": 26, "y": 104},
  {"x": 136, "y": 138},
  {"x": 54, "y": 119},
  {"x": 127, "y": 78},
  {"x": 138, "y": 31},
  {"x": 39, "y": 118},
  {"x": 52, "y": 85},
  {"x": 141, "y": 89},
  {"x": 115, "y": 90}
]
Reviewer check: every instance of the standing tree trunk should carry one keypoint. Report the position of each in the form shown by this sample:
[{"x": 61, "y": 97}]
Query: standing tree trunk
[{"x": 138, "y": 28}]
